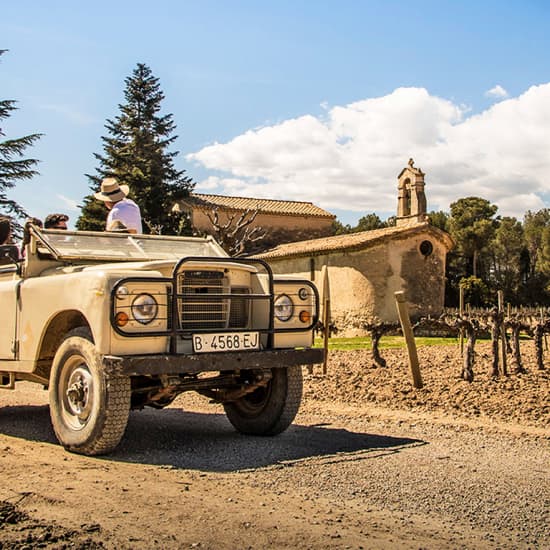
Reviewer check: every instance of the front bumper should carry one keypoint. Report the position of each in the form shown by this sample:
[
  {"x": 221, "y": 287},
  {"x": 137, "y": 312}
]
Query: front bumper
[{"x": 139, "y": 365}]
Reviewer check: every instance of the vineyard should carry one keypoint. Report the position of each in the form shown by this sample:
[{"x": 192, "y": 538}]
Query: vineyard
[
  {"x": 495, "y": 369},
  {"x": 507, "y": 329}
]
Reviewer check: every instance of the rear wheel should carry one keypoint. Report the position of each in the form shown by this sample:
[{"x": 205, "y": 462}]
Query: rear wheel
[
  {"x": 270, "y": 409},
  {"x": 89, "y": 406}
]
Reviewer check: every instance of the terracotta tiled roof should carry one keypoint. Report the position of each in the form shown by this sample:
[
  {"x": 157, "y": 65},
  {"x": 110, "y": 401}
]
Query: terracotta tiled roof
[
  {"x": 267, "y": 206},
  {"x": 352, "y": 241}
]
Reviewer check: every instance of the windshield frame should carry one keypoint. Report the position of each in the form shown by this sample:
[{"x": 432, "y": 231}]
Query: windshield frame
[{"x": 66, "y": 245}]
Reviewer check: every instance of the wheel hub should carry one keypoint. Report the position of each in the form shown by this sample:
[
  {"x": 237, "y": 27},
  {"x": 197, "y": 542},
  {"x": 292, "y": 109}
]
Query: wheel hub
[{"x": 79, "y": 393}]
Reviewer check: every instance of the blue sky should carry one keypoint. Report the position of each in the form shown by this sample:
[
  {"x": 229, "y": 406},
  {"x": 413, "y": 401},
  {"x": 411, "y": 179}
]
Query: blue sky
[{"x": 321, "y": 101}]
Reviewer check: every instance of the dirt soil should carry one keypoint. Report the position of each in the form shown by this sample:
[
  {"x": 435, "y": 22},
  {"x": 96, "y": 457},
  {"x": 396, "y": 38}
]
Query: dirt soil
[
  {"x": 370, "y": 462},
  {"x": 522, "y": 399}
]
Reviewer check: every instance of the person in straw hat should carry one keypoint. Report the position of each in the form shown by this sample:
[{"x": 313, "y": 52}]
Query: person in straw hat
[{"x": 121, "y": 208}]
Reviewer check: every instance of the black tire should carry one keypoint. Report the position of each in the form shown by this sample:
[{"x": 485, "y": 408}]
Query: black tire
[
  {"x": 89, "y": 406},
  {"x": 271, "y": 409}
]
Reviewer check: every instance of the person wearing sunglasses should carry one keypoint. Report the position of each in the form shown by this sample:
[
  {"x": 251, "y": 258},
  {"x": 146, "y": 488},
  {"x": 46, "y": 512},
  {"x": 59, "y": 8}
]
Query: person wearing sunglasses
[{"x": 56, "y": 221}]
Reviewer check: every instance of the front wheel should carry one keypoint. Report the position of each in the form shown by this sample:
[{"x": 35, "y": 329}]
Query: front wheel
[
  {"x": 270, "y": 409},
  {"x": 89, "y": 406}
]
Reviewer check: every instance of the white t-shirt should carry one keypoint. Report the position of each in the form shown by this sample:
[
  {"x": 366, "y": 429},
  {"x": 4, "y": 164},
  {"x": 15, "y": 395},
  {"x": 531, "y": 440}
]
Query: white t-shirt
[{"x": 127, "y": 212}]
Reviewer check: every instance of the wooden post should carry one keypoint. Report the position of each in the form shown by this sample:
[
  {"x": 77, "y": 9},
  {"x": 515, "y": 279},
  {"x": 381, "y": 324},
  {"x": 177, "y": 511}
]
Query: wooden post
[
  {"x": 326, "y": 314},
  {"x": 500, "y": 295},
  {"x": 461, "y": 313},
  {"x": 544, "y": 335},
  {"x": 405, "y": 321}
]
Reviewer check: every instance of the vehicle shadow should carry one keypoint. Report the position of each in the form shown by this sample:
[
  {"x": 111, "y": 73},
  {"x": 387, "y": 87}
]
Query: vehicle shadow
[{"x": 208, "y": 442}]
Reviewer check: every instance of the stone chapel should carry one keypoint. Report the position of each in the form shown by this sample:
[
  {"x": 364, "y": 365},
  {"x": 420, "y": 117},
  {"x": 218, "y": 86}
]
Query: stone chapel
[{"x": 365, "y": 269}]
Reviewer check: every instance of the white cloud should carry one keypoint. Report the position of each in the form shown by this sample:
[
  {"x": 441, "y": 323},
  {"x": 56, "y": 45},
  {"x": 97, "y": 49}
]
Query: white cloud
[
  {"x": 349, "y": 158},
  {"x": 69, "y": 203},
  {"x": 497, "y": 92},
  {"x": 209, "y": 184},
  {"x": 213, "y": 184}
]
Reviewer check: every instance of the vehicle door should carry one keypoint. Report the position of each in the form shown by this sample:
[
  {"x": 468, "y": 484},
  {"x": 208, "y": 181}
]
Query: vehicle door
[{"x": 9, "y": 284}]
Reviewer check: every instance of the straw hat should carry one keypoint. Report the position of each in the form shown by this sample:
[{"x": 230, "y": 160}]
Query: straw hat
[{"x": 111, "y": 191}]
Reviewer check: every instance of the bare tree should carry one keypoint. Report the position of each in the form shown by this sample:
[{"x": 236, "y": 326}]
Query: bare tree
[
  {"x": 237, "y": 233},
  {"x": 154, "y": 228}
]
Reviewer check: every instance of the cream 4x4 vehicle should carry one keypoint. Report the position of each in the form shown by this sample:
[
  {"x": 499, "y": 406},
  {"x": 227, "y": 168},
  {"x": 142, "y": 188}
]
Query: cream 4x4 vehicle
[{"x": 111, "y": 322}]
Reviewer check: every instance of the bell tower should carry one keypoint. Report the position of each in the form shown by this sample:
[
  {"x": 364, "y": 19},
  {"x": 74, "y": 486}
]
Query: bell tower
[{"x": 411, "y": 199}]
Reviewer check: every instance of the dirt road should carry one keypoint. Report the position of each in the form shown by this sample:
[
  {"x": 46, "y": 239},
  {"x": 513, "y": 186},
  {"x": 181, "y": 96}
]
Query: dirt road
[{"x": 344, "y": 476}]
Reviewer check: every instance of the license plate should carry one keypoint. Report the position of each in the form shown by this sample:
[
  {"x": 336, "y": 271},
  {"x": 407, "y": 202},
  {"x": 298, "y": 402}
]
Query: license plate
[{"x": 226, "y": 341}]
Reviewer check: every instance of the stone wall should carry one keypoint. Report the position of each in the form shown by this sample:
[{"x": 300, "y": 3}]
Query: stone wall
[
  {"x": 279, "y": 229},
  {"x": 363, "y": 282}
]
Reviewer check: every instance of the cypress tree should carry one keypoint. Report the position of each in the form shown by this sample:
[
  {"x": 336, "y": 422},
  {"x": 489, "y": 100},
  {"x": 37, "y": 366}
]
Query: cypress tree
[
  {"x": 13, "y": 167},
  {"x": 136, "y": 152}
]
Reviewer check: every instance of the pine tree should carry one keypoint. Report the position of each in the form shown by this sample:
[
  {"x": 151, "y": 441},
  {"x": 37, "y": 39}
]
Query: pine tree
[
  {"x": 368, "y": 223},
  {"x": 93, "y": 212},
  {"x": 472, "y": 226},
  {"x": 135, "y": 151},
  {"x": 13, "y": 168}
]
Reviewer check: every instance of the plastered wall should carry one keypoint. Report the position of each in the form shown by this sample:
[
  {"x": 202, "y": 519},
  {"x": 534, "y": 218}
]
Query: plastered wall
[{"x": 363, "y": 282}]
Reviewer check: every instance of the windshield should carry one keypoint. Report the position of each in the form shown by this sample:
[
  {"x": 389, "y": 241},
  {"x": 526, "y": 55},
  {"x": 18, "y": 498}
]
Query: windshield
[{"x": 66, "y": 245}]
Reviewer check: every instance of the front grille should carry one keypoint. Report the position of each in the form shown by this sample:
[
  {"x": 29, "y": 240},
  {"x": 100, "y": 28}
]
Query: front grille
[
  {"x": 238, "y": 312},
  {"x": 206, "y": 302}
]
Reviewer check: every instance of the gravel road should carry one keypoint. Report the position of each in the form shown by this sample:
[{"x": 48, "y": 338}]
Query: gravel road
[{"x": 345, "y": 475}]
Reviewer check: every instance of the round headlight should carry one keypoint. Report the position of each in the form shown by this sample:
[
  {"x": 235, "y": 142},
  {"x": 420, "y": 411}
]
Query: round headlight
[
  {"x": 144, "y": 308},
  {"x": 122, "y": 292},
  {"x": 303, "y": 293},
  {"x": 284, "y": 308}
]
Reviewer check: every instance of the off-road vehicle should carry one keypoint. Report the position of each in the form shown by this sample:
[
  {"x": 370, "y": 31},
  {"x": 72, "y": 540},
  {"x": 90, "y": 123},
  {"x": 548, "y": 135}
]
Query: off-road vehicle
[{"x": 110, "y": 322}]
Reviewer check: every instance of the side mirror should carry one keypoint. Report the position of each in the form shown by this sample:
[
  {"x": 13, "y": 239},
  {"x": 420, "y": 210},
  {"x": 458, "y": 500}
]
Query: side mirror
[{"x": 9, "y": 254}]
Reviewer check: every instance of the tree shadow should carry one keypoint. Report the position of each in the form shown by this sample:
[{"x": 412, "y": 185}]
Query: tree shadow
[{"x": 208, "y": 442}]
